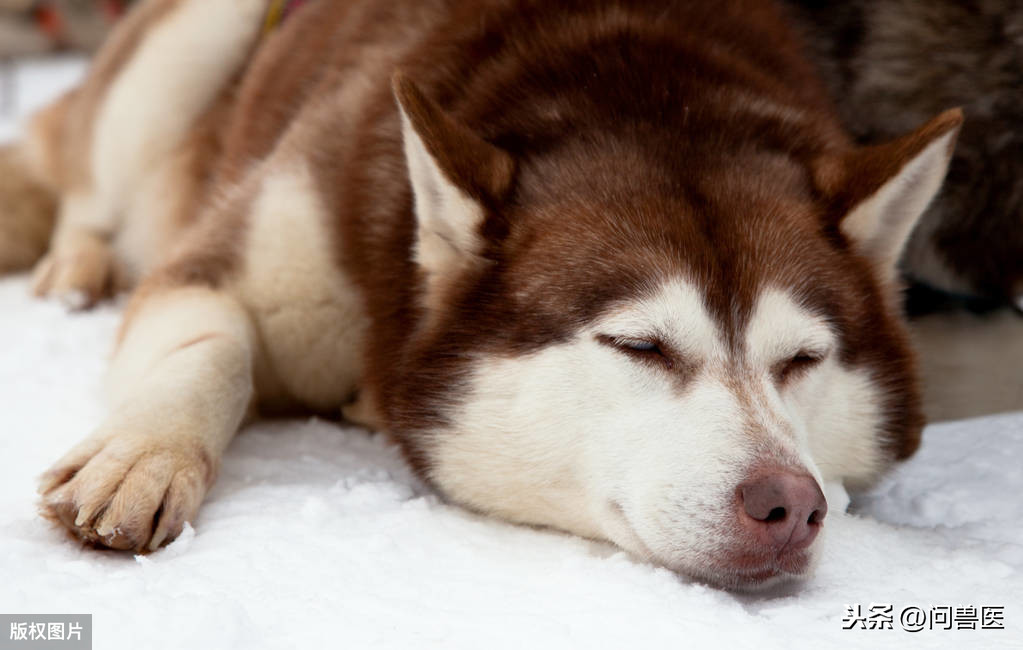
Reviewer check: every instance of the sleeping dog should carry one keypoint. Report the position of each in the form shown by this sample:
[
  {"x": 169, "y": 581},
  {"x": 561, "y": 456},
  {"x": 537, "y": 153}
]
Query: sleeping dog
[{"x": 608, "y": 266}]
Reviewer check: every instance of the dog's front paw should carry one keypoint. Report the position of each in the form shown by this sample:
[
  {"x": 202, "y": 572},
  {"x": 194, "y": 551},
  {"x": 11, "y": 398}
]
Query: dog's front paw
[
  {"x": 127, "y": 492},
  {"x": 79, "y": 271}
]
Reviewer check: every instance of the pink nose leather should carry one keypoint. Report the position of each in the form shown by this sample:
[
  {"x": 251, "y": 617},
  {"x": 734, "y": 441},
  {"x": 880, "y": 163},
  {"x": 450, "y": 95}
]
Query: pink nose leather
[{"x": 783, "y": 510}]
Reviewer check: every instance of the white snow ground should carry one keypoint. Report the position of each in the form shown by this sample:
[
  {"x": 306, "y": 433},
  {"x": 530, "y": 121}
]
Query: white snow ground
[{"x": 318, "y": 536}]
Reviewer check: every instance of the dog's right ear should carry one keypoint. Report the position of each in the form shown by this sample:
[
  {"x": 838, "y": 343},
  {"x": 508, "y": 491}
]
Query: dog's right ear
[{"x": 456, "y": 175}]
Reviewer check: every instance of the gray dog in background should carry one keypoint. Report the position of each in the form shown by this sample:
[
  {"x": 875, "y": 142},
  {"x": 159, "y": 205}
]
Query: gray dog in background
[{"x": 891, "y": 64}]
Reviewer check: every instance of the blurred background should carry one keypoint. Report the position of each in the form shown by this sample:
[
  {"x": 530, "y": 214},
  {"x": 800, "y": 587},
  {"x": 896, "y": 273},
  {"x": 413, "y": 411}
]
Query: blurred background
[
  {"x": 43, "y": 49},
  {"x": 37, "y": 26}
]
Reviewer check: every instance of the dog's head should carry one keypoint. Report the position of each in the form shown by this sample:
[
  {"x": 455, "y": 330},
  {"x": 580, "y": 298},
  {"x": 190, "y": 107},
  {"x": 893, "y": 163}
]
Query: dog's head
[{"x": 661, "y": 345}]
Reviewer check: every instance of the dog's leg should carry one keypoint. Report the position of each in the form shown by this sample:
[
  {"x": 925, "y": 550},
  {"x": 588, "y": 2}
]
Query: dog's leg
[
  {"x": 180, "y": 384},
  {"x": 154, "y": 81},
  {"x": 31, "y": 174},
  {"x": 79, "y": 266}
]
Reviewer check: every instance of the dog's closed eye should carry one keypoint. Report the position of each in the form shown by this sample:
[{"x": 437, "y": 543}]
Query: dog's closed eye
[
  {"x": 638, "y": 348},
  {"x": 797, "y": 365}
]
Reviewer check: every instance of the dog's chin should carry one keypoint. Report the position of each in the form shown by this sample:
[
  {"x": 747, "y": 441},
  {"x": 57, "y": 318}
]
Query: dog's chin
[
  {"x": 732, "y": 566},
  {"x": 746, "y": 576},
  {"x": 752, "y": 582}
]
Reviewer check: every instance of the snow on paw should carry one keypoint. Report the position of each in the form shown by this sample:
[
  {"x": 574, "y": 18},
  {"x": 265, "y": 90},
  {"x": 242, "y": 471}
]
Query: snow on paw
[{"x": 127, "y": 492}]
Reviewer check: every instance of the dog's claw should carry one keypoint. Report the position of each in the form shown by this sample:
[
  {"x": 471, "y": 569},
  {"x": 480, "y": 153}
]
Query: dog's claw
[{"x": 126, "y": 492}]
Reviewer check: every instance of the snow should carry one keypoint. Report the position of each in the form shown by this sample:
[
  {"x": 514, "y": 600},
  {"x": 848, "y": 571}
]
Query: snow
[
  {"x": 318, "y": 534},
  {"x": 29, "y": 85}
]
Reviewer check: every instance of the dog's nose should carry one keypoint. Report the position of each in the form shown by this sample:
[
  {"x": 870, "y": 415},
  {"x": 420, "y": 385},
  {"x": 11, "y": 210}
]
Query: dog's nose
[{"x": 783, "y": 510}]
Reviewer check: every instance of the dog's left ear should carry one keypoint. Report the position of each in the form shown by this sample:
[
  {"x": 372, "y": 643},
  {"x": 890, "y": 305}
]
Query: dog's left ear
[
  {"x": 879, "y": 192},
  {"x": 456, "y": 175}
]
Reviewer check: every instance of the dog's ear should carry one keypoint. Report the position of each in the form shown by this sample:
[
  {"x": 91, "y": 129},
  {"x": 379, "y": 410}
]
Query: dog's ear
[
  {"x": 456, "y": 177},
  {"x": 879, "y": 192}
]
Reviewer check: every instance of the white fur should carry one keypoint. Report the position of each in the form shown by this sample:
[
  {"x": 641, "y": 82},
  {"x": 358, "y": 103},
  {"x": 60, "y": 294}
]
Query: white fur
[
  {"x": 185, "y": 363},
  {"x": 674, "y": 315},
  {"x": 135, "y": 159},
  {"x": 179, "y": 386},
  {"x": 447, "y": 237},
  {"x": 841, "y": 411},
  {"x": 581, "y": 436},
  {"x": 154, "y": 212},
  {"x": 309, "y": 316},
  {"x": 149, "y": 108},
  {"x": 834, "y": 411},
  {"x": 781, "y": 329}
]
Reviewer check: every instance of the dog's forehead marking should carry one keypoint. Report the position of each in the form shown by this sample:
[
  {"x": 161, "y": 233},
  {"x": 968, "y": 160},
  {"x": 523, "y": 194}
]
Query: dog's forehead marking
[
  {"x": 676, "y": 314},
  {"x": 780, "y": 327}
]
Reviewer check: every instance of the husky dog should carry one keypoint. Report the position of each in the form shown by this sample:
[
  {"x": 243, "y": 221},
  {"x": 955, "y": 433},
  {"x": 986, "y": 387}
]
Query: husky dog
[
  {"x": 607, "y": 266},
  {"x": 890, "y": 63}
]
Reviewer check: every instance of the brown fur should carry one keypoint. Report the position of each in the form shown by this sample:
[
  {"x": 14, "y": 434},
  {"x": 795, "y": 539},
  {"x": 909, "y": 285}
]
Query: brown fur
[
  {"x": 611, "y": 145},
  {"x": 559, "y": 114},
  {"x": 558, "y": 110}
]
